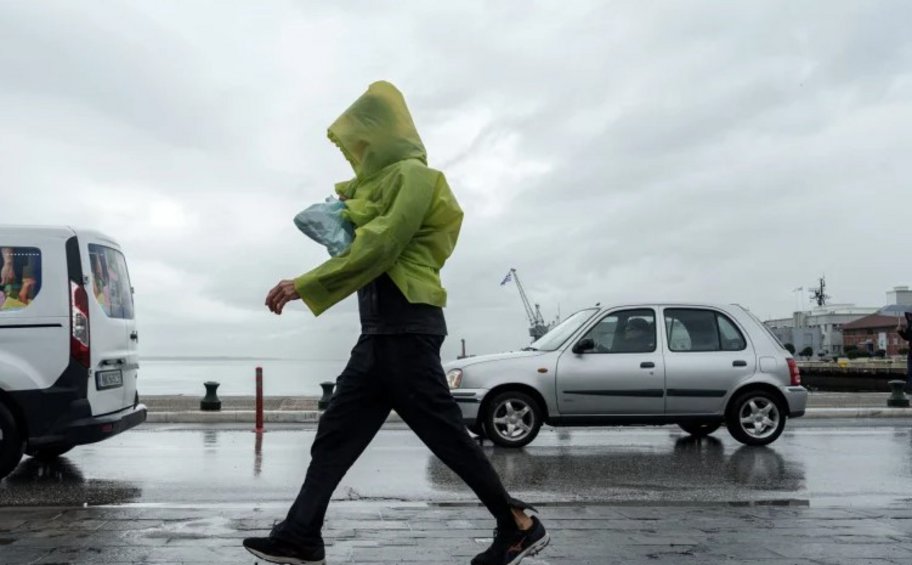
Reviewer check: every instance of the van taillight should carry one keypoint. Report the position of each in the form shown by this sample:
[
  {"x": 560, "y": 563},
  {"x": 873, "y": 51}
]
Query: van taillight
[
  {"x": 79, "y": 324},
  {"x": 794, "y": 372}
]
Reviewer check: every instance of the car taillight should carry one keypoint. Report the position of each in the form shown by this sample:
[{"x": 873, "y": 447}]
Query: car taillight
[
  {"x": 794, "y": 372},
  {"x": 79, "y": 324}
]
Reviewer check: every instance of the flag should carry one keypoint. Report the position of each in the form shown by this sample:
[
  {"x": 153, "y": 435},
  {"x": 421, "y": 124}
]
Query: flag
[{"x": 507, "y": 278}]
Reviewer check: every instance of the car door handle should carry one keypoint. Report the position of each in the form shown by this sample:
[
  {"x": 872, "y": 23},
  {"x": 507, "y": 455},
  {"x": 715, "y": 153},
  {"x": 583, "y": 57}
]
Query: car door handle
[
  {"x": 739, "y": 363},
  {"x": 134, "y": 336},
  {"x": 647, "y": 365}
]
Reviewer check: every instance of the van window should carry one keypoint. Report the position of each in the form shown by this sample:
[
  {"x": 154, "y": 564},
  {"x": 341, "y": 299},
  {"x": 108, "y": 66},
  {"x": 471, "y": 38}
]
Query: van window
[
  {"x": 701, "y": 330},
  {"x": 20, "y": 277},
  {"x": 110, "y": 281}
]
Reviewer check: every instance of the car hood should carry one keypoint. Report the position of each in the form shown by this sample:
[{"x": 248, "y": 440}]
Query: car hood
[{"x": 477, "y": 360}]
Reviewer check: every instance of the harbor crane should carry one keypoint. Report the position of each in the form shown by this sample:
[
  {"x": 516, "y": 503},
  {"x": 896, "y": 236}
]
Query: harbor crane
[{"x": 537, "y": 325}]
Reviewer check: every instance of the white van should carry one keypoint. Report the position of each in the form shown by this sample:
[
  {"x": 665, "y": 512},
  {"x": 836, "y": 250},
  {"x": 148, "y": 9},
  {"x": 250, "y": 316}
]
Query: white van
[{"x": 68, "y": 342}]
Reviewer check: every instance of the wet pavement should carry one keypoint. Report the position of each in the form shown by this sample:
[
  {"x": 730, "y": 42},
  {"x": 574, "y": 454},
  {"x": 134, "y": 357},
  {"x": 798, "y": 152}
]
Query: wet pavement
[{"x": 825, "y": 492}]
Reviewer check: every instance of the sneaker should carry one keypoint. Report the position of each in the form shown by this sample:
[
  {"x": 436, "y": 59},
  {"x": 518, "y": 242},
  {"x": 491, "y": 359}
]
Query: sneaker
[
  {"x": 276, "y": 551},
  {"x": 509, "y": 548}
]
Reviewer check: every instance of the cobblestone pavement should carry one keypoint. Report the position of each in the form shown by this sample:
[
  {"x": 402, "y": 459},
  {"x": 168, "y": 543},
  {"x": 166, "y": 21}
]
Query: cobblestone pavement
[{"x": 376, "y": 532}]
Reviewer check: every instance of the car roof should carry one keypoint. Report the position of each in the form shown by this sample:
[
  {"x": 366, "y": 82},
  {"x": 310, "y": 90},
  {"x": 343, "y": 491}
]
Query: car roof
[{"x": 671, "y": 303}]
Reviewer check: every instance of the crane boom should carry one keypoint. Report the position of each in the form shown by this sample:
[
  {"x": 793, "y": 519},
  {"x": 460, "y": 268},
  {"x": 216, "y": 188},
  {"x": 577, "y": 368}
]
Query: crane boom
[
  {"x": 525, "y": 299},
  {"x": 537, "y": 326}
]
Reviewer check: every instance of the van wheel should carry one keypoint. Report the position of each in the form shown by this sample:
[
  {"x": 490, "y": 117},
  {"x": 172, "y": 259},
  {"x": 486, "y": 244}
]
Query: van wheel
[
  {"x": 513, "y": 419},
  {"x": 49, "y": 453},
  {"x": 699, "y": 429},
  {"x": 11, "y": 444},
  {"x": 755, "y": 417}
]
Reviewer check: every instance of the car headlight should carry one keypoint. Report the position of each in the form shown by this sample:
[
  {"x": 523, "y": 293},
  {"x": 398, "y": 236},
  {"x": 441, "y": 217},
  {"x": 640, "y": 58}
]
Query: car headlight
[{"x": 454, "y": 378}]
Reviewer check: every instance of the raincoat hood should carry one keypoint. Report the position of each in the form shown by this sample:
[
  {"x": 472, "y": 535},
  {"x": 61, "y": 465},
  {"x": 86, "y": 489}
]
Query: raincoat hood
[
  {"x": 377, "y": 131},
  {"x": 406, "y": 218}
]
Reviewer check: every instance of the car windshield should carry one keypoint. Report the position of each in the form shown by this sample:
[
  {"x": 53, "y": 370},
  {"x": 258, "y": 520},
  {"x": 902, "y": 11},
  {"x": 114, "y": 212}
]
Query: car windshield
[{"x": 560, "y": 333}]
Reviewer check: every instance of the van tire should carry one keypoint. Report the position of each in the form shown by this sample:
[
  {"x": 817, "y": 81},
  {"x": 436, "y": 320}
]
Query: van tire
[
  {"x": 49, "y": 453},
  {"x": 12, "y": 445}
]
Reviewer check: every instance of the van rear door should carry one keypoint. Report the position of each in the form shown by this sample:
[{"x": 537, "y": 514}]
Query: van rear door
[{"x": 114, "y": 362}]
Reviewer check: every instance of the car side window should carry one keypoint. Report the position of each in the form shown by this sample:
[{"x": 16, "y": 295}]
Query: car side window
[
  {"x": 691, "y": 329},
  {"x": 20, "y": 277},
  {"x": 627, "y": 331},
  {"x": 732, "y": 340}
]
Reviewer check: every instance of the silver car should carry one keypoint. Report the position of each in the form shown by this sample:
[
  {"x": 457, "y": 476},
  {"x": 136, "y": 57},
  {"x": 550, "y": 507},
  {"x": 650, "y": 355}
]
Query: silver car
[{"x": 711, "y": 365}]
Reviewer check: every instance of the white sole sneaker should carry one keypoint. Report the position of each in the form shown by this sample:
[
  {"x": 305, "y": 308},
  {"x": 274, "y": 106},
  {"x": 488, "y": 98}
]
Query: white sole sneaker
[
  {"x": 284, "y": 560},
  {"x": 533, "y": 549}
]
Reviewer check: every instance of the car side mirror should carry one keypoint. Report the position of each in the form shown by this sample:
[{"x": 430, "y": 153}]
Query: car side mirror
[{"x": 584, "y": 345}]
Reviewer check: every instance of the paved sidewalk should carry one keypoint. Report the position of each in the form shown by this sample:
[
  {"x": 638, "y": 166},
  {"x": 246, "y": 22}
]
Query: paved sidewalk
[{"x": 376, "y": 532}]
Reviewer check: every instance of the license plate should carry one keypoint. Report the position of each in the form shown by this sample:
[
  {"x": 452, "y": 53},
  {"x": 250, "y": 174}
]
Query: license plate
[{"x": 108, "y": 379}]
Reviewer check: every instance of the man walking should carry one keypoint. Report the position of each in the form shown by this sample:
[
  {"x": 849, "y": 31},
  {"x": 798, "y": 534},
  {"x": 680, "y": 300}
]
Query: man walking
[{"x": 407, "y": 223}]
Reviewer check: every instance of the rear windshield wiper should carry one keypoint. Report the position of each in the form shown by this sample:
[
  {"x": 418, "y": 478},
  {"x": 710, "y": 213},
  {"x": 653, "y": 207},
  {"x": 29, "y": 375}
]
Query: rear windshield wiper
[{"x": 529, "y": 348}]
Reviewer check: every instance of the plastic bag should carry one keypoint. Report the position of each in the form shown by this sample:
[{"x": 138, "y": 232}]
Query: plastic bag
[{"x": 323, "y": 223}]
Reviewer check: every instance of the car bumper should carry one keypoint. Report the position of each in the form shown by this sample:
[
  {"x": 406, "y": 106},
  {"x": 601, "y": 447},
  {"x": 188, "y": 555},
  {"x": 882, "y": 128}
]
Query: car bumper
[
  {"x": 797, "y": 397},
  {"x": 94, "y": 428},
  {"x": 469, "y": 402}
]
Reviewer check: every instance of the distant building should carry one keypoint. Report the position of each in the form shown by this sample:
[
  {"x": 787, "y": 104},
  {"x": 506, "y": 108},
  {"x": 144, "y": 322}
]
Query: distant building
[
  {"x": 823, "y": 328},
  {"x": 819, "y": 328},
  {"x": 900, "y": 295},
  {"x": 873, "y": 333}
]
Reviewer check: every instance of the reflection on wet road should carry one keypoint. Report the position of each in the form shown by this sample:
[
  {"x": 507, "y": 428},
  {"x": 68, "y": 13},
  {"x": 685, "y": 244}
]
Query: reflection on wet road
[{"x": 814, "y": 463}]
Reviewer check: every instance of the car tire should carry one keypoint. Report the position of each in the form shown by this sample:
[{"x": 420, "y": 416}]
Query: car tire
[
  {"x": 756, "y": 417},
  {"x": 12, "y": 445},
  {"x": 512, "y": 419},
  {"x": 699, "y": 429},
  {"x": 49, "y": 453}
]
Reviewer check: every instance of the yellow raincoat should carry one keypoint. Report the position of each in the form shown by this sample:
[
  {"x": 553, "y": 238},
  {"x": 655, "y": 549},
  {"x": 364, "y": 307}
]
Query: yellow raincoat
[{"x": 406, "y": 218}]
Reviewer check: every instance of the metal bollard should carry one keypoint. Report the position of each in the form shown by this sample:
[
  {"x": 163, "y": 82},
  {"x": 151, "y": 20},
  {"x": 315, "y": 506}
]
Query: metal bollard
[
  {"x": 211, "y": 402},
  {"x": 327, "y": 395},
  {"x": 259, "y": 401},
  {"x": 897, "y": 398}
]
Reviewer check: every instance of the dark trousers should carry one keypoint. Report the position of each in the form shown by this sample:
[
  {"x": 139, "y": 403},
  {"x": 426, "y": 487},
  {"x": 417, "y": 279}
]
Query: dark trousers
[
  {"x": 909, "y": 369},
  {"x": 402, "y": 373}
]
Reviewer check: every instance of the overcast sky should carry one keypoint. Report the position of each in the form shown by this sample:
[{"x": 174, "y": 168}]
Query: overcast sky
[{"x": 610, "y": 151}]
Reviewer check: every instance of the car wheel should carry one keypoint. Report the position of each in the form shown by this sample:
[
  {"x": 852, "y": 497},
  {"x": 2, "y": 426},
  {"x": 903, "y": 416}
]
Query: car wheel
[
  {"x": 698, "y": 429},
  {"x": 11, "y": 444},
  {"x": 513, "y": 419},
  {"x": 49, "y": 453},
  {"x": 756, "y": 418}
]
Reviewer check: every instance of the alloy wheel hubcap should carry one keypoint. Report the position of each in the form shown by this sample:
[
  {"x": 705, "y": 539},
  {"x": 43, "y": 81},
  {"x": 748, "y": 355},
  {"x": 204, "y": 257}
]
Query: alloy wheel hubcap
[
  {"x": 513, "y": 419},
  {"x": 759, "y": 417}
]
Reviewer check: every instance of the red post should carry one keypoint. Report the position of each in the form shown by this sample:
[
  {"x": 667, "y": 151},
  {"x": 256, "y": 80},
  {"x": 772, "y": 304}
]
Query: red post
[{"x": 259, "y": 400}]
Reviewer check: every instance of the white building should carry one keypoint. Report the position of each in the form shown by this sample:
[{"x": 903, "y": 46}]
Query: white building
[{"x": 821, "y": 328}]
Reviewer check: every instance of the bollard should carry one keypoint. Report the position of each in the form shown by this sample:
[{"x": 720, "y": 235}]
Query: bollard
[
  {"x": 259, "y": 401},
  {"x": 897, "y": 398},
  {"x": 211, "y": 402},
  {"x": 327, "y": 395}
]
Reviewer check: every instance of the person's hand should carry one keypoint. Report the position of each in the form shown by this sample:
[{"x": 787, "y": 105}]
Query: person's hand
[
  {"x": 24, "y": 293},
  {"x": 7, "y": 274},
  {"x": 280, "y": 295}
]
